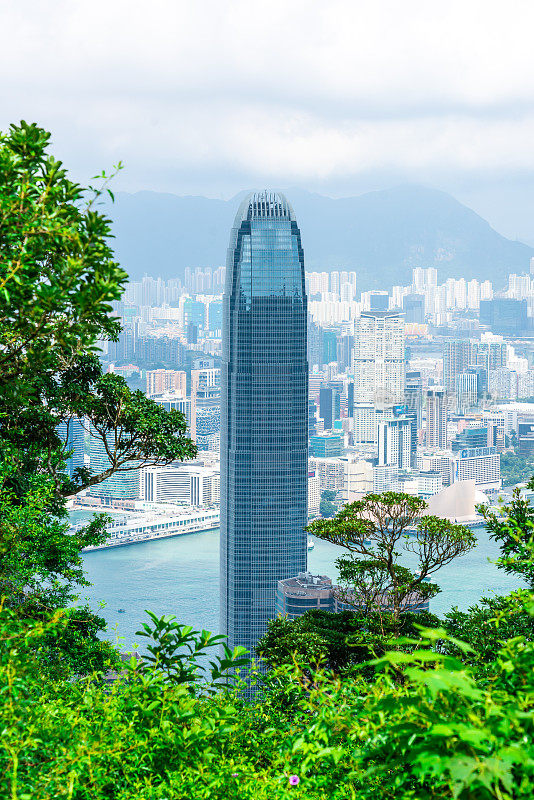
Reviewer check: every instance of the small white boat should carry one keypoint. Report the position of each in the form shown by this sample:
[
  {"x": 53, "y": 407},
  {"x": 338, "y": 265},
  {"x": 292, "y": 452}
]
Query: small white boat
[{"x": 311, "y": 544}]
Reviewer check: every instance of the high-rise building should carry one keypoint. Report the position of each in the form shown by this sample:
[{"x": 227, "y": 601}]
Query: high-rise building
[
  {"x": 72, "y": 434},
  {"x": 119, "y": 486},
  {"x": 414, "y": 394},
  {"x": 378, "y": 360},
  {"x": 436, "y": 419},
  {"x": 504, "y": 315},
  {"x": 466, "y": 391},
  {"x": 395, "y": 442},
  {"x": 160, "y": 381},
  {"x": 458, "y": 354},
  {"x": 327, "y": 407},
  {"x": 264, "y": 415}
]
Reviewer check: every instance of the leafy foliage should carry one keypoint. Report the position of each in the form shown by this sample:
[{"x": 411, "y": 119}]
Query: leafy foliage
[
  {"x": 176, "y": 651},
  {"x": 335, "y": 641},
  {"x": 513, "y": 527},
  {"x": 58, "y": 279},
  {"x": 376, "y": 527},
  {"x": 57, "y": 272}
]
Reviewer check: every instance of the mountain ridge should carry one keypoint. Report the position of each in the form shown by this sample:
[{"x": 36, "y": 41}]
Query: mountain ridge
[{"x": 382, "y": 235}]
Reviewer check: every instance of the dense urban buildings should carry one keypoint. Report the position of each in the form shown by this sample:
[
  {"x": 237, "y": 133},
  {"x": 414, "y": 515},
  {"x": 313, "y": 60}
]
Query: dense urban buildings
[
  {"x": 408, "y": 386},
  {"x": 264, "y": 415}
]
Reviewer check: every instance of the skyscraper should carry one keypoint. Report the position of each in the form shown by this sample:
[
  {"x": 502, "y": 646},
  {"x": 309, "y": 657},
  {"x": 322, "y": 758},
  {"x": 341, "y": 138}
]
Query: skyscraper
[
  {"x": 436, "y": 419},
  {"x": 379, "y": 367},
  {"x": 264, "y": 415},
  {"x": 458, "y": 354}
]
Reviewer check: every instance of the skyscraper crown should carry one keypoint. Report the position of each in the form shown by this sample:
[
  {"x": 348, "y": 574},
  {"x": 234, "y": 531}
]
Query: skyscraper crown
[{"x": 266, "y": 204}]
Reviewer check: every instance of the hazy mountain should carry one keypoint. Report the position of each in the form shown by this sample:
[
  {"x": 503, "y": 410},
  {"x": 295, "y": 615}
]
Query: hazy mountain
[{"x": 382, "y": 235}]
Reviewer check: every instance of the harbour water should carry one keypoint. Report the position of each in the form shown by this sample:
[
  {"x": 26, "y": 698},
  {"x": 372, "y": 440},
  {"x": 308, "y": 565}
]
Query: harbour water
[{"x": 180, "y": 576}]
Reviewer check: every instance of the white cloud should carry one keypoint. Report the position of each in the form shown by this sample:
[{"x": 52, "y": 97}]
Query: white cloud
[{"x": 274, "y": 91}]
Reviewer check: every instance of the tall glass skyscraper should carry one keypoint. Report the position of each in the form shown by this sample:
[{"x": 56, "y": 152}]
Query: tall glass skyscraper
[{"x": 264, "y": 415}]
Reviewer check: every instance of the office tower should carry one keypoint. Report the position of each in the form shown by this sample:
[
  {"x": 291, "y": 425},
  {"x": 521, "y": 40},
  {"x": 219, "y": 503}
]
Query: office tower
[
  {"x": 205, "y": 393},
  {"x": 436, "y": 419},
  {"x": 350, "y": 399},
  {"x": 492, "y": 355},
  {"x": 458, "y": 354},
  {"x": 466, "y": 391},
  {"x": 264, "y": 415},
  {"x": 176, "y": 402},
  {"x": 329, "y": 349},
  {"x": 345, "y": 345},
  {"x": 413, "y": 395},
  {"x": 72, "y": 434},
  {"x": 378, "y": 360},
  {"x": 504, "y": 315},
  {"x": 378, "y": 301},
  {"x": 327, "y": 445},
  {"x": 411, "y": 414},
  {"x": 192, "y": 333},
  {"x": 327, "y": 407},
  {"x": 413, "y": 306},
  {"x": 395, "y": 442}
]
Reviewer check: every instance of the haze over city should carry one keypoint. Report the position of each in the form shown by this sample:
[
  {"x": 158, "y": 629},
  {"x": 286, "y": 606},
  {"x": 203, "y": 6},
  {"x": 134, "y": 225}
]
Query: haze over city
[{"x": 211, "y": 99}]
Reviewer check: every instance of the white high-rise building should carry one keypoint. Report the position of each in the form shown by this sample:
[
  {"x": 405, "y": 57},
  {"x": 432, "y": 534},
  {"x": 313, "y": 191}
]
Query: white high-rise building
[
  {"x": 394, "y": 442},
  {"x": 378, "y": 360}
]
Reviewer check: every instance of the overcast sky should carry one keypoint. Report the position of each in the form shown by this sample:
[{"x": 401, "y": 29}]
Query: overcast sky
[{"x": 337, "y": 96}]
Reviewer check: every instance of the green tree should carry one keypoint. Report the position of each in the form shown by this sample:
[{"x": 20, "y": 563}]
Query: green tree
[
  {"x": 58, "y": 279},
  {"x": 375, "y": 531},
  {"x": 335, "y": 641}
]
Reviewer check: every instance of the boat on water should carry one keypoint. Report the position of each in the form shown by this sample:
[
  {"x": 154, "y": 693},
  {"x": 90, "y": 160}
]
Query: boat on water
[
  {"x": 121, "y": 611},
  {"x": 311, "y": 544}
]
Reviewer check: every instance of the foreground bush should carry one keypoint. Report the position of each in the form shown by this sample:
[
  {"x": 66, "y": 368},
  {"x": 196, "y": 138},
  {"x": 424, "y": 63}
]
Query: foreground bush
[{"x": 424, "y": 727}]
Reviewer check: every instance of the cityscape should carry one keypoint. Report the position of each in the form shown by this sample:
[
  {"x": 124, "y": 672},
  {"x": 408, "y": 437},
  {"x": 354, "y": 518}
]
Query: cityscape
[
  {"x": 266, "y": 401},
  {"x": 426, "y": 389}
]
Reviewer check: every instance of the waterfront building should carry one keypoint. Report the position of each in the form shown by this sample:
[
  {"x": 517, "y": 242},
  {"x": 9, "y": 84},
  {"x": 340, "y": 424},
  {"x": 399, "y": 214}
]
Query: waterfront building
[
  {"x": 504, "y": 315},
  {"x": 314, "y": 493},
  {"x": 357, "y": 478},
  {"x": 191, "y": 485},
  {"x": 385, "y": 478},
  {"x": 479, "y": 464},
  {"x": 264, "y": 415},
  {"x": 119, "y": 486},
  {"x": 306, "y": 592},
  {"x": 330, "y": 472}
]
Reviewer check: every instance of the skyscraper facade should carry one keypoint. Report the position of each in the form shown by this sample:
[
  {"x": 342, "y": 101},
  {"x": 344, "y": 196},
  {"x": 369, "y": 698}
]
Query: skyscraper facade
[
  {"x": 379, "y": 368},
  {"x": 264, "y": 415},
  {"x": 436, "y": 419}
]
